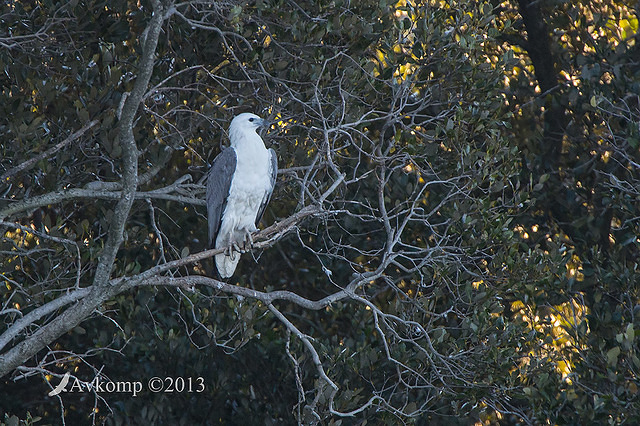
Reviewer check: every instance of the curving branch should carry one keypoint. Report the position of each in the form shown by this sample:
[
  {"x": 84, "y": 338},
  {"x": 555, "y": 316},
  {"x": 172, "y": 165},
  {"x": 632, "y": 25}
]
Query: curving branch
[
  {"x": 85, "y": 299},
  {"x": 92, "y": 194},
  {"x": 48, "y": 153},
  {"x": 100, "y": 289},
  {"x": 40, "y": 312}
]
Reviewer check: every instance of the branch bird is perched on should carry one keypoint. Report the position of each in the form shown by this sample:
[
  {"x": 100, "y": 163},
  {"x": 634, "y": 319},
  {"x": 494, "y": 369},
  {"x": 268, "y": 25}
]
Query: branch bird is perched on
[{"x": 239, "y": 186}]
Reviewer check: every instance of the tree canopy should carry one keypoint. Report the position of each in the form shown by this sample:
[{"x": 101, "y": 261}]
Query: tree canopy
[{"x": 454, "y": 236}]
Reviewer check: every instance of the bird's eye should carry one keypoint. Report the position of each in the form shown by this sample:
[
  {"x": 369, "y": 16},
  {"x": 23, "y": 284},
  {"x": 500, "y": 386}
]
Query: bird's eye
[{"x": 251, "y": 120}]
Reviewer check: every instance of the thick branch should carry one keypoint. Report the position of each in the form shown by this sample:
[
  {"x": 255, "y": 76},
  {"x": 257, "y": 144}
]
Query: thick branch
[
  {"x": 100, "y": 290},
  {"x": 267, "y": 298},
  {"x": 39, "y": 312},
  {"x": 80, "y": 193},
  {"x": 129, "y": 148}
]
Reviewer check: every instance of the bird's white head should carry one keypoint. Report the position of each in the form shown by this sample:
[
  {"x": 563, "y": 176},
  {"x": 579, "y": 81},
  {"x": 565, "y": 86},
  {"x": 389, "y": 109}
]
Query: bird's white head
[{"x": 246, "y": 122}]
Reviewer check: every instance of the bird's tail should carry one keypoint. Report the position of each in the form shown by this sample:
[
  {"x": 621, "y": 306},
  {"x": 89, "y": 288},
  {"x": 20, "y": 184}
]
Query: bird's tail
[{"x": 227, "y": 264}]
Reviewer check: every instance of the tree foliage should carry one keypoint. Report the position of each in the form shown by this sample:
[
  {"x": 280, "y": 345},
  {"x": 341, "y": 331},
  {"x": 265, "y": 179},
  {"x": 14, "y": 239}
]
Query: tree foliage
[{"x": 453, "y": 236}]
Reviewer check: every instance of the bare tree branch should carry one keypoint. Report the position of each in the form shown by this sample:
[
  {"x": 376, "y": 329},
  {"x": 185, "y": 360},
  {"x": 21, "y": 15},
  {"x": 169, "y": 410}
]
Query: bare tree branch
[
  {"x": 100, "y": 289},
  {"x": 92, "y": 194},
  {"x": 48, "y": 153}
]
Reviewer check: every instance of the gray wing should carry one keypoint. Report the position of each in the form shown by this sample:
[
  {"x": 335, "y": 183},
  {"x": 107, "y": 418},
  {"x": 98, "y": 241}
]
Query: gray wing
[
  {"x": 267, "y": 195},
  {"x": 218, "y": 184}
]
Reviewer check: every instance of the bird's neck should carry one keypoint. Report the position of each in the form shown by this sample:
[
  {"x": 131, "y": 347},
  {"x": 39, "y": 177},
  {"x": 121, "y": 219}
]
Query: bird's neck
[{"x": 242, "y": 141}]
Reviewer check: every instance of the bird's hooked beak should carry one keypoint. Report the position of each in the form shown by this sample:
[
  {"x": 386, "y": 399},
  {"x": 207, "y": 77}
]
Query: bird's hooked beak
[
  {"x": 263, "y": 126},
  {"x": 264, "y": 123}
]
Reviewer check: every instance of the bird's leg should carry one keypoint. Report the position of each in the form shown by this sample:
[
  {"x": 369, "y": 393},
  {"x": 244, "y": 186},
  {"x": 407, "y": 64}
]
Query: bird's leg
[{"x": 248, "y": 240}]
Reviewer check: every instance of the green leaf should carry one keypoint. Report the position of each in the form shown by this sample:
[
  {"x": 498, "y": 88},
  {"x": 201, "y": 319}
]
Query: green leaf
[
  {"x": 630, "y": 333},
  {"x": 612, "y": 355}
]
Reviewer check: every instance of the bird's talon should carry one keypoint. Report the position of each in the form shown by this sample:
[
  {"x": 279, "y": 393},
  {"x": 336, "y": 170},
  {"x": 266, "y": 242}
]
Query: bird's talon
[
  {"x": 248, "y": 241},
  {"x": 235, "y": 248}
]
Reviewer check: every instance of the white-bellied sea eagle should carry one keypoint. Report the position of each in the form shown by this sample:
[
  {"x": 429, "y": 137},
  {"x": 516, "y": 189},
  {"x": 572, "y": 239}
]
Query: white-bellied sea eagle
[{"x": 239, "y": 186}]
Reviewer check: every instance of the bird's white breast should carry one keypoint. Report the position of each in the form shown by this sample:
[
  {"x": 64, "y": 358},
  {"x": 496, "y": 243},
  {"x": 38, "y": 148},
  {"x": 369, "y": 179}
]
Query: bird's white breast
[{"x": 251, "y": 180}]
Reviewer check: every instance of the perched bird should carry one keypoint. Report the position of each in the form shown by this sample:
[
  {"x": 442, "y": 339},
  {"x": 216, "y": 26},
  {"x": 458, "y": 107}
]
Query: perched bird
[{"x": 239, "y": 186}]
